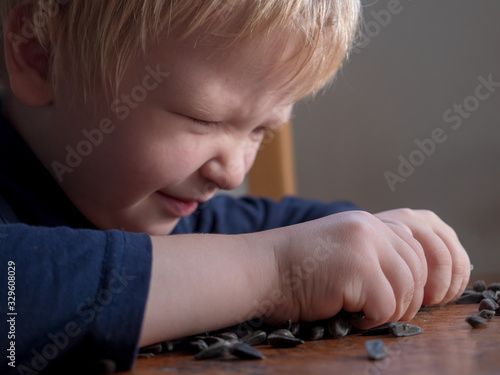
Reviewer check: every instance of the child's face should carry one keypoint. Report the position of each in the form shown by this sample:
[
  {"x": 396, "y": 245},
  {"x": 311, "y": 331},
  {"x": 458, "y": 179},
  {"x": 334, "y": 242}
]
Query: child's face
[{"x": 188, "y": 122}]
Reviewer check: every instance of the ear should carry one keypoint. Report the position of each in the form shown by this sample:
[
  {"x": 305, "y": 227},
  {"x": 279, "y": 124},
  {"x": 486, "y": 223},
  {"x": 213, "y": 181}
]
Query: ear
[{"x": 27, "y": 62}]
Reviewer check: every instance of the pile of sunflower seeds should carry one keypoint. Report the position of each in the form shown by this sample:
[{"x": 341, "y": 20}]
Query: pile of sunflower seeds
[
  {"x": 487, "y": 297},
  {"x": 241, "y": 342}
]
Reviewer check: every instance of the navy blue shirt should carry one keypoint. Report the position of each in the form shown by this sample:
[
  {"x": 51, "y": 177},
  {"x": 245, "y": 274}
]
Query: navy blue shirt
[{"x": 77, "y": 293}]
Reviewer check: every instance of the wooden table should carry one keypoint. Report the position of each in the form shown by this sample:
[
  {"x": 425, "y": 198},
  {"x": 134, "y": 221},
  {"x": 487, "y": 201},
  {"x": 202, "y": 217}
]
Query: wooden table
[{"x": 448, "y": 345}]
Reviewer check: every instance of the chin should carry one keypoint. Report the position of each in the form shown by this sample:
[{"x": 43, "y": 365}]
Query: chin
[{"x": 158, "y": 228}]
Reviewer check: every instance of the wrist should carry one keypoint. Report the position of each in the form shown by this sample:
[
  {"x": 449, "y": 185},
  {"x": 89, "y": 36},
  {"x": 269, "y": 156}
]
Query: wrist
[
  {"x": 274, "y": 303},
  {"x": 263, "y": 274}
]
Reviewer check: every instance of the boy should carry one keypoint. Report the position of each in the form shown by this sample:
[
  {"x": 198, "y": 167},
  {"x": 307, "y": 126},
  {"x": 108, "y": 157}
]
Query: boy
[{"x": 122, "y": 121}]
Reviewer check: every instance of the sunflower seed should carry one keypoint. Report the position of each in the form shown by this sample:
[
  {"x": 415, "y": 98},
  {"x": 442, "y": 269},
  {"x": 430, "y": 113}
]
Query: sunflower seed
[
  {"x": 245, "y": 351},
  {"x": 475, "y": 321},
  {"x": 339, "y": 326},
  {"x": 489, "y": 294},
  {"x": 216, "y": 350},
  {"x": 376, "y": 349},
  {"x": 382, "y": 329},
  {"x": 487, "y": 304},
  {"x": 198, "y": 345},
  {"x": 487, "y": 314},
  {"x": 282, "y": 340},
  {"x": 401, "y": 329},
  {"x": 311, "y": 332},
  {"x": 469, "y": 298},
  {"x": 494, "y": 287},
  {"x": 479, "y": 286},
  {"x": 295, "y": 329},
  {"x": 468, "y": 291},
  {"x": 228, "y": 336},
  {"x": 496, "y": 296},
  {"x": 255, "y": 338},
  {"x": 283, "y": 331}
]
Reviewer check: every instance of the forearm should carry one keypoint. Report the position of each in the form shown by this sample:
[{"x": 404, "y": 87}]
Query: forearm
[{"x": 205, "y": 282}]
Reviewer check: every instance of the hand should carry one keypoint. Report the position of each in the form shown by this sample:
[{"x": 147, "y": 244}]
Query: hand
[
  {"x": 351, "y": 260},
  {"x": 447, "y": 261}
]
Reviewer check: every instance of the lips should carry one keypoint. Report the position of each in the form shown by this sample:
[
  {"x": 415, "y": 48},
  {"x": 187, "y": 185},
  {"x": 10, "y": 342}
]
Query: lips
[{"x": 178, "y": 207}]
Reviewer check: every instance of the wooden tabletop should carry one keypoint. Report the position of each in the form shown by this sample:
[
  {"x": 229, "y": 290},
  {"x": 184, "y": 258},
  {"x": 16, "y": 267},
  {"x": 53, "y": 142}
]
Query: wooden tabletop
[{"x": 448, "y": 345}]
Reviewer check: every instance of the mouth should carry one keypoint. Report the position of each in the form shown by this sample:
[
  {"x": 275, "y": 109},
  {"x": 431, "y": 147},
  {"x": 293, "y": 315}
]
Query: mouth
[{"x": 177, "y": 206}]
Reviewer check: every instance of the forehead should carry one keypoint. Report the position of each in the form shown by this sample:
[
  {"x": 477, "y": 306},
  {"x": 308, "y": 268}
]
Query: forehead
[
  {"x": 271, "y": 60},
  {"x": 251, "y": 72}
]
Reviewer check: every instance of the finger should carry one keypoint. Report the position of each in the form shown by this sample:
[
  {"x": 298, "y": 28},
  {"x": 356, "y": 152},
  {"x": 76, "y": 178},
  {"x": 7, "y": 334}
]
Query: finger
[
  {"x": 397, "y": 223},
  {"x": 388, "y": 293},
  {"x": 460, "y": 264},
  {"x": 440, "y": 267},
  {"x": 369, "y": 290},
  {"x": 378, "y": 303},
  {"x": 413, "y": 261},
  {"x": 410, "y": 240}
]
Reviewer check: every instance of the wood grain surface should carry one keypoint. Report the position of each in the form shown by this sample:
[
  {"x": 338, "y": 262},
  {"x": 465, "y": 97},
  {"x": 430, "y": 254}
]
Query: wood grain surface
[{"x": 448, "y": 345}]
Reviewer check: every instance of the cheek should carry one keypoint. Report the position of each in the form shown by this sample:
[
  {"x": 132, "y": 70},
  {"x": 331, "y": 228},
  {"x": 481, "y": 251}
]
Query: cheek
[
  {"x": 157, "y": 166},
  {"x": 169, "y": 163},
  {"x": 162, "y": 147},
  {"x": 124, "y": 168}
]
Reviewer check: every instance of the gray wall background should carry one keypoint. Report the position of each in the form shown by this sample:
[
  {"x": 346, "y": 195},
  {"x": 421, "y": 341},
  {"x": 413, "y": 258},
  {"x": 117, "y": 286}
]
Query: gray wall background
[{"x": 406, "y": 74}]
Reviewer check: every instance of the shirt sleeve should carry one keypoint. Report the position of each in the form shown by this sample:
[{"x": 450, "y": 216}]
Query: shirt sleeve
[
  {"x": 79, "y": 297},
  {"x": 224, "y": 214}
]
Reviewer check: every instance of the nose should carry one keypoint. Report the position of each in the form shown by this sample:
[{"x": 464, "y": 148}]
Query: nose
[{"x": 228, "y": 168}]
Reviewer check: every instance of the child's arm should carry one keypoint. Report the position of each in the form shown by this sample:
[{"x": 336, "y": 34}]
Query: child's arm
[
  {"x": 309, "y": 271},
  {"x": 205, "y": 282}
]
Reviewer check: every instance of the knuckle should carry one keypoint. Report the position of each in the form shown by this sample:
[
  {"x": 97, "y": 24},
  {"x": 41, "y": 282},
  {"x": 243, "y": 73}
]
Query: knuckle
[
  {"x": 427, "y": 213},
  {"x": 407, "y": 212},
  {"x": 360, "y": 223},
  {"x": 430, "y": 217},
  {"x": 453, "y": 234}
]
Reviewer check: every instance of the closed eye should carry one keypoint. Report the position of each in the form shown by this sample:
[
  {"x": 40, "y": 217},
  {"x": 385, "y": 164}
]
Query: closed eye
[{"x": 203, "y": 122}]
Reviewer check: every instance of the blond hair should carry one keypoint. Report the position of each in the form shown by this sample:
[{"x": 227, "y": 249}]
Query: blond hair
[{"x": 100, "y": 37}]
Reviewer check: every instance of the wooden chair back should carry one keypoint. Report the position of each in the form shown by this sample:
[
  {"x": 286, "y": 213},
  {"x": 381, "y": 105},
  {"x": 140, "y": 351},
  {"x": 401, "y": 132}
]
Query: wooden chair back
[{"x": 273, "y": 174}]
